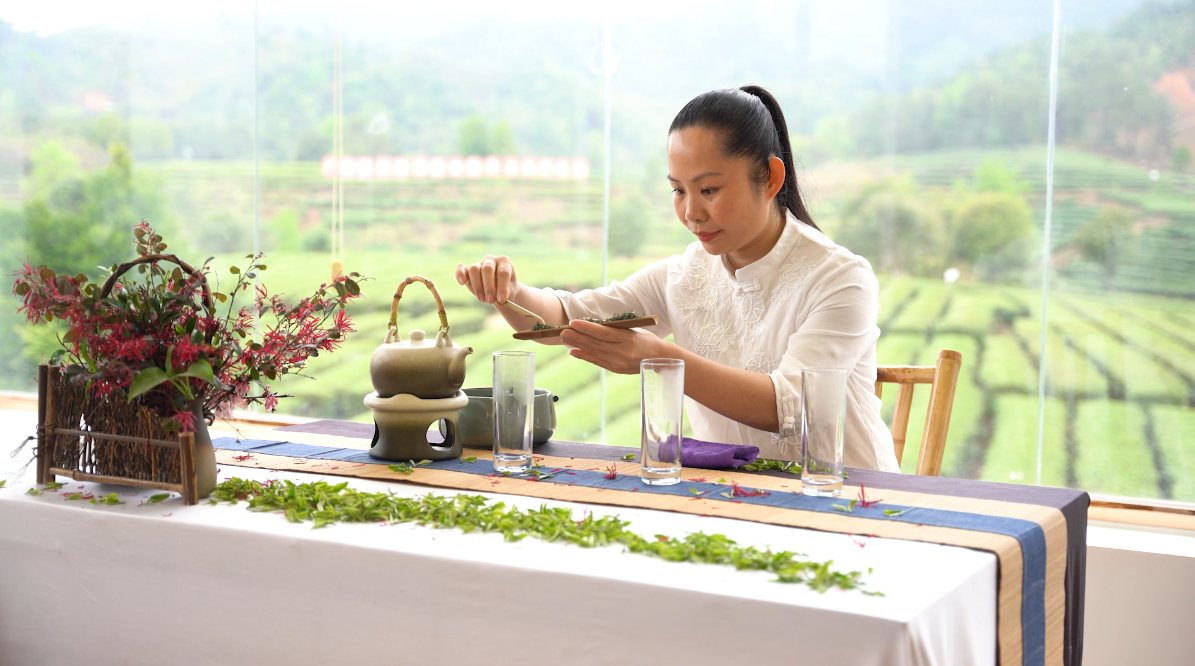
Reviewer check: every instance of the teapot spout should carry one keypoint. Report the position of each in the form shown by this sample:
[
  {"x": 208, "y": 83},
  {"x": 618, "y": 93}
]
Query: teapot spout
[{"x": 456, "y": 366}]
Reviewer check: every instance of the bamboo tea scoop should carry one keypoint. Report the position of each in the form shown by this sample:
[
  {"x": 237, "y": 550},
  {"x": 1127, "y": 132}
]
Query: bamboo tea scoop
[{"x": 525, "y": 312}]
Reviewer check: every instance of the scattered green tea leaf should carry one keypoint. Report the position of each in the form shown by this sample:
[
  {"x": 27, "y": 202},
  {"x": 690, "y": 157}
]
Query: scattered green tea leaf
[
  {"x": 156, "y": 499},
  {"x": 53, "y": 485},
  {"x": 629, "y": 456},
  {"x": 33, "y": 491},
  {"x": 2, "y": 482},
  {"x": 75, "y": 496},
  {"x": 893, "y": 512},
  {"x": 468, "y": 460},
  {"x": 323, "y": 505}
]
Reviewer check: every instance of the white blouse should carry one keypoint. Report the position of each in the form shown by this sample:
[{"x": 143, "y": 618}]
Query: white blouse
[{"x": 808, "y": 302}]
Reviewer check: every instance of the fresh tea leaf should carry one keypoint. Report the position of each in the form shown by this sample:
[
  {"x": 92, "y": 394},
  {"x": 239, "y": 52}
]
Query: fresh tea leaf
[
  {"x": 156, "y": 499},
  {"x": 629, "y": 456}
]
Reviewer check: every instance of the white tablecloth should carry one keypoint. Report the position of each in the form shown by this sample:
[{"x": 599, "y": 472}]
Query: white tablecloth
[{"x": 170, "y": 584}]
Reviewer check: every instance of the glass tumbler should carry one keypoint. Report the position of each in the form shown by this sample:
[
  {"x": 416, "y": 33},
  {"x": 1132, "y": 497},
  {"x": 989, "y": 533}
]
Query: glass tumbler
[
  {"x": 662, "y": 393},
  {"x": 823, "y": 427},
  {"x": 514, "y": 410}
]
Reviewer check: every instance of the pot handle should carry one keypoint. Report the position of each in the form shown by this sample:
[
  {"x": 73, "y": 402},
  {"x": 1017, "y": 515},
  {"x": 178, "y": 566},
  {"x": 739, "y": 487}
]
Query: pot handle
[{"x": 398, "y": 297}]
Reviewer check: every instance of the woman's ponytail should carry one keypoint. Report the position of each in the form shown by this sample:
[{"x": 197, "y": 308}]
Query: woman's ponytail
[
  {"x": 789, "y": 196},
  {"x": 752, "y": 126}
]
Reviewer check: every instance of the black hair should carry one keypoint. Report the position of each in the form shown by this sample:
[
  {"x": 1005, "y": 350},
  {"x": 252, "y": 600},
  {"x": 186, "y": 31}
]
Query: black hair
[{"x": 752, "y": 126}]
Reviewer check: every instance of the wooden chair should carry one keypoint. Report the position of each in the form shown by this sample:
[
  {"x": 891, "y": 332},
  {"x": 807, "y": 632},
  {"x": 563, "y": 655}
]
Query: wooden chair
[{"x": 942, "y": 378}]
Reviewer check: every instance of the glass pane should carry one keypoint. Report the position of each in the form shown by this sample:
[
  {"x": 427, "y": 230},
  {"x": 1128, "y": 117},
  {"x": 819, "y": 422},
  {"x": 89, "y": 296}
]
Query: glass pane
[
  {"x": 460, "y": 138},
  {"x": 130, "y": 117},
  {"x": 919, "y": 133},
  {"x": 1123, "y": 255}
]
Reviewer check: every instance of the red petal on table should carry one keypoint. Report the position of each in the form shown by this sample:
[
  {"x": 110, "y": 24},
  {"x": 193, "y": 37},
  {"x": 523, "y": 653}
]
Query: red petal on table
[{"x": 167, "y": 515}]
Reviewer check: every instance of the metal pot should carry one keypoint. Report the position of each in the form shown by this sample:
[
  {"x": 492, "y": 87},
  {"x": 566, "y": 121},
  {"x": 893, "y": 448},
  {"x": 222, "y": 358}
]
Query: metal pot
[{"x": 476, "y": 427}]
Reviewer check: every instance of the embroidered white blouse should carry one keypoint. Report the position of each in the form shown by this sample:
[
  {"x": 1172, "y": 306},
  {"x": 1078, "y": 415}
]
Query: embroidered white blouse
[{"x": 808, "y": 302}]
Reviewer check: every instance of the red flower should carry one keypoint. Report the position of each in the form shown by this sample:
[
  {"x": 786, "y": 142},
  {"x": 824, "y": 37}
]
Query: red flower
[
  {"x": 611, "y": 472},
  {"x": 863, "y": 501}
]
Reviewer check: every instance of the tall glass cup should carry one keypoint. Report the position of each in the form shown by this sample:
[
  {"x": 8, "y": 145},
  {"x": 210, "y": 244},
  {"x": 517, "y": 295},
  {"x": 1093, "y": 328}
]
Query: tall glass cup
[
  {"x": 823, "y": 428},
  {"x": 514, "y": 410},
  {"x": 662, "y": 393}
]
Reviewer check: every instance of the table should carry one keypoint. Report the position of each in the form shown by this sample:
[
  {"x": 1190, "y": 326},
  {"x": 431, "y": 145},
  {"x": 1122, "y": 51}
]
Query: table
[{"x": 218, "y": 584}]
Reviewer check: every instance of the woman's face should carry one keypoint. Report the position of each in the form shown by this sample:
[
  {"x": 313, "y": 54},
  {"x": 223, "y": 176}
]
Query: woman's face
[{"x": 717, "y": 200}]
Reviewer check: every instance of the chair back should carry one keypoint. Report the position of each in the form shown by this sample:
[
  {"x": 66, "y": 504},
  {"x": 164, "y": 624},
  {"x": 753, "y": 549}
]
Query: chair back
[{"x": 943, "y": 379}]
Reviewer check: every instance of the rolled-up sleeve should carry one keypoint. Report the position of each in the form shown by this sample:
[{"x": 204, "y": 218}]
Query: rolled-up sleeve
[
  {"x": 839, "y": 330},
  {"x": 641, "y": 293}
]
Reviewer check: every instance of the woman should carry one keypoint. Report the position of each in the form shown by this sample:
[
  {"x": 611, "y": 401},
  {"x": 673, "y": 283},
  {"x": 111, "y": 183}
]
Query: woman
[{"x": 760, "y": 295}]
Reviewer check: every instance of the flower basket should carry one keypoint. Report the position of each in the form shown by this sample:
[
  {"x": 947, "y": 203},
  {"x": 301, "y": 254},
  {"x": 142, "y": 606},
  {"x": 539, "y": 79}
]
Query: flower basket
[
  {"x": 147, "y": 362},
  {"x": 110, "y": 441}
]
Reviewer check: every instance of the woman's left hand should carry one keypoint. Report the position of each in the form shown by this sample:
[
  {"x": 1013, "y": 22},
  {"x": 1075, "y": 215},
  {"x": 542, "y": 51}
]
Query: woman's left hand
[{"x": 615, "y": 349}]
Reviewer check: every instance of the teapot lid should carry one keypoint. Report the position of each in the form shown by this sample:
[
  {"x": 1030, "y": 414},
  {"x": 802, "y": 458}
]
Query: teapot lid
[{"x": 417, "y": 338}]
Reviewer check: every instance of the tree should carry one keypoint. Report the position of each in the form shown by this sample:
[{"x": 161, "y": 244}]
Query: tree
[
  {"x": 1180, "y": 159},
  {"x": 993, "y": 176},
  {"x": 988, "y": 222},
  {"x": 1106, "y": 240},
  {"x": 474, "y": 136},
  {"x": 84, "y": 221},
  {"x": 502, "y": 140},
  {"x": 630, "y": 218},
  {"x": 891, "y": 224}
]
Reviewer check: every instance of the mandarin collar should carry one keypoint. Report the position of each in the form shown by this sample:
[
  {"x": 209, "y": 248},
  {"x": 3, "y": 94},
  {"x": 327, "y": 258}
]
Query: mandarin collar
[{"x": 770, "y": 262}]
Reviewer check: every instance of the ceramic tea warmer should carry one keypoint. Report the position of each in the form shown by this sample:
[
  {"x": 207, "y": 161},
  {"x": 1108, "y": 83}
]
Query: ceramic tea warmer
[{"x": 417, "y": 385}]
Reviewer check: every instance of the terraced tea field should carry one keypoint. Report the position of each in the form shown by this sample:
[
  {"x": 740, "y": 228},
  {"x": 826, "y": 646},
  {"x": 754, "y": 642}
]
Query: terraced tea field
[{"x": 1120, "y": 385}]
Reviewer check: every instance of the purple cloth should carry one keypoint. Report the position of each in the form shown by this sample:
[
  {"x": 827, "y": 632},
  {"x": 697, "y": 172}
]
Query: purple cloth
[{"x": 708, "y": 455}]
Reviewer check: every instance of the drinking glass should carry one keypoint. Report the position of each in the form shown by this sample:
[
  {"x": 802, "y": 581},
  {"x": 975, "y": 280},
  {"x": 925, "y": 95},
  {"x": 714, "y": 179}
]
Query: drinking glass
[
  {"x": 823, "y": 427},
  {"x": 514, "y": 410},
  {"x": 662, "y": 393}
]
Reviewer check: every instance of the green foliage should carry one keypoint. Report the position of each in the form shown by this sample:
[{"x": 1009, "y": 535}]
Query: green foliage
[
  {"x": 51, "y": 165},
  {"x": 317, "y": 239},
  {"x": 77, "y": 222},
  {"x": 987, "y": 223},
  {"x": 993, "y": 175},
  {"x": 326, "y": 504},
  {"x": 476, "y": 138},
  {"x": 1106, "y": 240},
  {"x": 891, "y": 224},
  {"x": 502, "y": 140},
  {"x": 1181, "y": 159},
  {"x": 282, "y": 231},
  {"x": 630, "y": 219}
]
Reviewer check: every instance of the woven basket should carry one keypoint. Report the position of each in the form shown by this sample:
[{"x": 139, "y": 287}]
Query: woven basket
[{"x": 109, "y": 440}]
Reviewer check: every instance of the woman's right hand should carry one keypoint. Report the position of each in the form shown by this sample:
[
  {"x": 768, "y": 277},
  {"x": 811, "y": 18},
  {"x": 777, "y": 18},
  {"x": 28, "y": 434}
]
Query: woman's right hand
[{"x": 492, "y": 280}]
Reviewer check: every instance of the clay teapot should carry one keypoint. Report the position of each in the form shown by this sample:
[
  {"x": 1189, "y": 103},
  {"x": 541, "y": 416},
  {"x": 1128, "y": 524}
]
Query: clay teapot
[{"x": 418, "y": 366}]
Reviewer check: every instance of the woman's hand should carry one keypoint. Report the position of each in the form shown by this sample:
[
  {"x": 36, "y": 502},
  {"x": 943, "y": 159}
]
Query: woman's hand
[
  {"x": 615, "y": 349},
  {"x": 491, "y": 280}
]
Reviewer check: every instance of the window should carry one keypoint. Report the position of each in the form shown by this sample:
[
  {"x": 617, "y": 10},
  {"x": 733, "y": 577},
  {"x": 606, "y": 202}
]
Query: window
[{"x": 395, "y": 142}]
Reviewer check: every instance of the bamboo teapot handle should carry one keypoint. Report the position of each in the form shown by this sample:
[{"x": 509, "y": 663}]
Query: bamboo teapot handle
[{"x": 435, "y": 293}]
